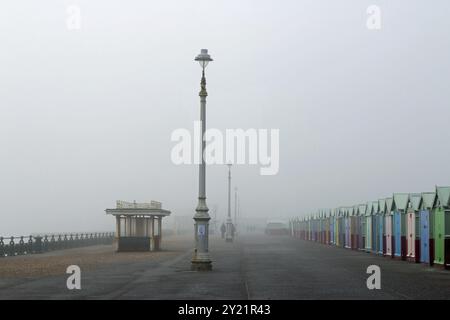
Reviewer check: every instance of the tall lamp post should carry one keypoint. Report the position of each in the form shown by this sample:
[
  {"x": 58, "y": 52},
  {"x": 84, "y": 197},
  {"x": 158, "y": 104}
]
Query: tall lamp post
[
  {"x": 201, "y": 260},
  {"x": 235, "y": 210},
  {"x": 228, "y": 235}
]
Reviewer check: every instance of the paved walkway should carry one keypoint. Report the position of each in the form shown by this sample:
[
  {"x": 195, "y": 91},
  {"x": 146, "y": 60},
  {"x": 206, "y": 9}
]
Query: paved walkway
[{"x": 253, "y": 267}]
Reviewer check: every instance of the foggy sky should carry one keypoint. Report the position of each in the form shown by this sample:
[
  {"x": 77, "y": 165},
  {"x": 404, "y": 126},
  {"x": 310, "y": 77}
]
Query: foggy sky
[{"x": 86, "y": 115}]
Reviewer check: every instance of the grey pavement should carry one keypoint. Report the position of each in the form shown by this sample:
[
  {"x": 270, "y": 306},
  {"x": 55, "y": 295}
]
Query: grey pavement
[{"x": 253, "y": 267}]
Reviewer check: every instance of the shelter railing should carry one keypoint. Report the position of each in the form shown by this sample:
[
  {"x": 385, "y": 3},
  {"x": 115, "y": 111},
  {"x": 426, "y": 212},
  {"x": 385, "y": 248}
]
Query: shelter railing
[{"x": 23, "y": 245}]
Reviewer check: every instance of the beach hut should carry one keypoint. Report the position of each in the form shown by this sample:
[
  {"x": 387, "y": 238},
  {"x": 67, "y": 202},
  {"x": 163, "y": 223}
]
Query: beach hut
[
  {"x": 381, "y": 226},
  {"x": 388, "y": 227},
  {"x": 440, "y": 232},
  {"x": 317, "y": 215},
  {"x": 352, "y": 211},
  {"x": 413, "y": 224},
  {"x": 426, "y": 230},
  {"x": 327, "y": 227},
  {"x": 332, "y": 227},
  {"x": 319, "y": 227},
  {"x": 341, "y": 227},
  {"x": 369, "y": 230},
  {"x": 401, "y": 203},
  {"x": 293, "y": 227},
  {"x": 328, "y": 235},
  {"x": 316, "y": 227},
  {"x": 299, "y": 227},
  {"x": 375, "y": 228},
  {"x": 336, "y": 227},
  {"x": 347, "y": 228},
  {"x": 305, "y": 228},
  {"x": 361, "y": 227}
]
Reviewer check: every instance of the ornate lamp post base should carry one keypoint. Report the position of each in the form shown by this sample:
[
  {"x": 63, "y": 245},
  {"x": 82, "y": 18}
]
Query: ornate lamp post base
[
  {"x": 201, "y": 260},
  {"x": 197, "y": 265}
]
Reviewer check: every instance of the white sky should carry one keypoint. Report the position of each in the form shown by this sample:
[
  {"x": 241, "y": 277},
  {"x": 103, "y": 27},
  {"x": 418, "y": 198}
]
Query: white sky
[{"x": 86, "y": 115}]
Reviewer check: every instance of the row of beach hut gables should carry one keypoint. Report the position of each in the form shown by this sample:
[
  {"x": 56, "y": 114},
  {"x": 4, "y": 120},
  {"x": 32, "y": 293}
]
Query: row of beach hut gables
[{"x": 408, "y": 226}]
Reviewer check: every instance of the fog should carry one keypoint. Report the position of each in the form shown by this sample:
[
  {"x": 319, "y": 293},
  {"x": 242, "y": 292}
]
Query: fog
[{"x": 86, "y": 115}]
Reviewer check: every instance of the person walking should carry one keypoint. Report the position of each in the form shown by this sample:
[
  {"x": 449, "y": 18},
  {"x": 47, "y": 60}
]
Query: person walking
[{"x": 223, "y": 229}]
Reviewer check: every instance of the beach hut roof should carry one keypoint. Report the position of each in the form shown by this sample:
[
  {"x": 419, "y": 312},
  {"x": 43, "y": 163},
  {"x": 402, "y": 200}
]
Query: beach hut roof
[
  {"x": 382, "y": 205},
  {"x": 375, "y": 206},
  {"x": 443, "y": 194},
  {"x": 416, "y": 201},
  {"x": 401, "y": 201},
  {"x": 344, "y": 211},
  {"x": 369, "y": 208},
  {"x": 389, "y": 204},
  {"x": 362, "y": 209},
  {"x": 428, "y": 199}
]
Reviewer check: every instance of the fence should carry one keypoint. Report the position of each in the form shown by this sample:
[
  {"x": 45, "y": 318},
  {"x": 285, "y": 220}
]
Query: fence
[{"x": 14, "y": 246}]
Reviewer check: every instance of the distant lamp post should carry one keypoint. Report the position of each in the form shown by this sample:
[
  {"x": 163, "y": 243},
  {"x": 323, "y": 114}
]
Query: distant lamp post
[
  {"x": 201, "y": 260},
  {"x": 228, "y": 235},
  {"x": 235, "y": 210}
]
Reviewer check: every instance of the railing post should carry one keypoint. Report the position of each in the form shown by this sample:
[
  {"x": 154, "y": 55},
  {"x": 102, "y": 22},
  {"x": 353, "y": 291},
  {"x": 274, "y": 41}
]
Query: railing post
[
  {"x": 53, "y": 242},
  {"x": 59, "y": 243},
  {"x": 2, "y": 248},
  {"x": 37, "y": 246},
  {"x": 21, "y": 246},
  {"x": 45, "y": 244},
  {"x": 12, "y": 249},
  {"x": 30, "y": 245}
]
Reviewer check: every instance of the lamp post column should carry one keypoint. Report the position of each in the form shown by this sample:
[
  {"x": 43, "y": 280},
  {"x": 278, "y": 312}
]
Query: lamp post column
[
  {"x": 235, "y": 210},
  {"x": 201, "y": 260},
  {"x": 229, "y": 237}
]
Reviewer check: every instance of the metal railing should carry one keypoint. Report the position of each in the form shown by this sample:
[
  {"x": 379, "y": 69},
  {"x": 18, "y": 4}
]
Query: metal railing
[{"x": 15, "y": 246}]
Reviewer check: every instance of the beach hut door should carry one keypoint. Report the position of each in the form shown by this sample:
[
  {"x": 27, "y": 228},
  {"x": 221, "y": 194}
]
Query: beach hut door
[
  {"x": 411, "y": 235},
  {"x": 388, "y": 235},
  {"x": 424, "y": 236},
  {"x": 439, "y": 237}
]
